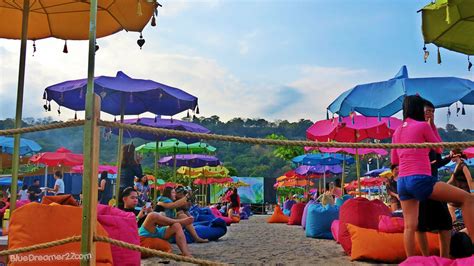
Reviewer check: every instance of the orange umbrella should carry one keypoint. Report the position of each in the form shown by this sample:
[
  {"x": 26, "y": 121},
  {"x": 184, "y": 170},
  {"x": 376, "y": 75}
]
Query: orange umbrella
[{"x": 294, "y": 183}]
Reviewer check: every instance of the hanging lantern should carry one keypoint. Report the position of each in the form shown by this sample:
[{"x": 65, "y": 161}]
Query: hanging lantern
[
  {"x": 141, "y": 41},
  {"x": 65, "y": 47}
]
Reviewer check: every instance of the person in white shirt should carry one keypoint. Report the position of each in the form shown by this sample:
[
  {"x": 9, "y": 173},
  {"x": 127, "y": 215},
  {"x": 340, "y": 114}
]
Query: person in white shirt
[
  {"x": 23, "y": 193},
  {"x": 58, "y": 185}
]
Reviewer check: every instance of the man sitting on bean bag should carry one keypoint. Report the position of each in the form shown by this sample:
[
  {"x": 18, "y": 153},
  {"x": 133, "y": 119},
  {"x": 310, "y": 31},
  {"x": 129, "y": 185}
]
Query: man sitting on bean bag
[{"x": 151, "y": 224}]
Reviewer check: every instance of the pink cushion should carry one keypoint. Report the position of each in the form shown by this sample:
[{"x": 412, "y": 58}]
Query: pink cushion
[
  {"x": 20, "y": 203},
  {"x": 362, "y": 213},
  {"x": 218, "y": 214},
  {"x": 296, "y": 213},
  {"x": 433, "y": 260},
  {"x": 389, "y": 224},
  {"x": 335, "y": 230},
  {"x": 122, "y": 226}
]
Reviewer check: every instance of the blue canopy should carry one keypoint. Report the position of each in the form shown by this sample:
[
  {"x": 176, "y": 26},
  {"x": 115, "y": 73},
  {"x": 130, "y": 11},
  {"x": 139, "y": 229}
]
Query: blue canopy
[
  {"x": 322, "y": 159},
  {"x": 27, "y": 146},
  {"x": 137, "y": 96},
  {"x": 385, "y": 98},
  {"x": 451, "y": 165},
  {"x": 376, "y": 172},
  {"x": 7, "y": 181}
]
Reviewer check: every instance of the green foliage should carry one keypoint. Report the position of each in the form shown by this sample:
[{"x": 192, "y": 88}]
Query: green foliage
[{"x": 285, "y": 153}]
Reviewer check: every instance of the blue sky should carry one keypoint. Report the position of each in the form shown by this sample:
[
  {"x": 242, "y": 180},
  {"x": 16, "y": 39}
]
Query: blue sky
[{"x": 256, "y": 59}]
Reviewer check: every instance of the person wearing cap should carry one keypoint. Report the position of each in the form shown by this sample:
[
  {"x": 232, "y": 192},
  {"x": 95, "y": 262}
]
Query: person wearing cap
[{"x": 183, "y": 212}]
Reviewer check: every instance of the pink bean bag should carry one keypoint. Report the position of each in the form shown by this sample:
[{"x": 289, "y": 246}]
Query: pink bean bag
[
  {"x": 296, "y": 213},
  {"x": 218, "y": 214},
  {"x": 20, "y": 203},
  {"x": 335, "y": 230},
  {"x": 433, "y": 260},
  {"x": 389, "y": 224},
  {"x": 122, "y": 226},
  {"x": 362, "y": 213}
]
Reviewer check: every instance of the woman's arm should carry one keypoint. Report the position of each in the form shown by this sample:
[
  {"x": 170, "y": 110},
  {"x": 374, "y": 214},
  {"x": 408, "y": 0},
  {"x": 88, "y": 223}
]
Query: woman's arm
[
  {"x": 173, "y": 205},
  {"x": 468, "y": 176},
  {"x": 430, "y": 136},
  {"x": 102, "y": 185}
]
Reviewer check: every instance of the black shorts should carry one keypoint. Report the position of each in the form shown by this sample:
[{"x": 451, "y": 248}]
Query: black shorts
[{"x": 434, "y": 216}]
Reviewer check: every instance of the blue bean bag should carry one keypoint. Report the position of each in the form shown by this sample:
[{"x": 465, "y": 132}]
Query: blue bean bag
[
  {"x": 246, "y": 209},
  {"x": 212, "y": 230},
  {"x": 287, "y": 212},
  {"x": 319, "y": 220},
  {"x": 201, "y": 214},
  {"x": 340, "y": 201},
  {"x": 305, "y": 214},
  {"x": 244, "y": 216}
]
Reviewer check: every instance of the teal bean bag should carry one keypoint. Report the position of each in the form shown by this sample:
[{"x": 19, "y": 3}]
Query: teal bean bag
[
  {"x": 340, "y": 201},
  {"x": 319, "y": 220}
]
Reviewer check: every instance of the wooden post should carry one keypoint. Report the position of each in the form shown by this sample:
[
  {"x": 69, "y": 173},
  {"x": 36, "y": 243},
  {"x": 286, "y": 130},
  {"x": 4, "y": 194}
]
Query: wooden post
[
  {"x": 343, "y": 173},
  {"x": 91, "y": 152},
  {"x": 358, "y": 171},
  {"x": 19, "y": 104},
  {"x": 155, "y": 190},
  {"x": 119, "y": 151}
]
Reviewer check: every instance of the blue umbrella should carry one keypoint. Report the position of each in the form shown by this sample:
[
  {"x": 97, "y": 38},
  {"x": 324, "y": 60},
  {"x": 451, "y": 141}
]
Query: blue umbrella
[
  {"x": 123, "y": 95},
  {"x": 7, "y": 181},
  {"x": 451, "y": 165},
  {"x": 385, "y": 98},
  {"x": 322, "y": 159},
  {"x": 27, "y": 146},
  {"x": 376, "y": 172},
  {"x": 318, "y": 169}
]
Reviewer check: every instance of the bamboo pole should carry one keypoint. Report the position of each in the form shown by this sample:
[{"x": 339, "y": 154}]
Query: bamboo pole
[
  {"x": 91, "y": 151},
  {"x": 358, "y": 171},
  {"x": 343, "y": 173},
  {"x": 155, "y": 190},
  {"x": 119, "y": 151},
  {"x": 19, "y": 104}
]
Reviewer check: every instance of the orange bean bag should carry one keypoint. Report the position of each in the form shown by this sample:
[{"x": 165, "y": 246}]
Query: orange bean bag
[
  {"x": 154, "y": 243},
  {"x": 296, "y": 215},
  {"x": 235, "y": 219},
  {"x": 369, "y": 244},
  {"x": 278, "y": 216},
  {"x": 61, "y": 200},
  {"x": 36, "y": 223}
]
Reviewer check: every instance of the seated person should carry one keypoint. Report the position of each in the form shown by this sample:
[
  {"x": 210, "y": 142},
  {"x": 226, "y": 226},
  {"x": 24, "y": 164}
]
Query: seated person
[
  {"x": 152, "y": 224},
  {"x": 234, "y": 206},
  {"x": 392, "y": 189},
  {"x": 35, "y": 191},
  {"x": 175, "y": 204}
]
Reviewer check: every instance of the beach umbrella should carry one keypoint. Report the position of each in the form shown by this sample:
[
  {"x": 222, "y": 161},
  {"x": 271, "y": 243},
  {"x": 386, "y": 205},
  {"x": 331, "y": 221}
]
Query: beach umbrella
[
  {"x": 157, "y": 122},
  {"x": 363, "y": 151},
  {"x": 27, "y": 146},
  {"x": 281, "y": 178},
  {"x": 469, "y": 152},
  {"x": 376, "y": 172},
  {"x": 190, "y": 160},
  {"x": 294, "y": 183},
  {"x": 174, "y": 146},
  {"x": 449, "y": 24},
  {"x": 322, "y": 159},
  {"x": 7, "y": 181},
  {"x": 318, "y": 169},
  {"x": 60, "y": 157},
  {"x": 385, "y": 98},
  {"x": 204, "y": 171},
  {"x": 107, "y": 168}
]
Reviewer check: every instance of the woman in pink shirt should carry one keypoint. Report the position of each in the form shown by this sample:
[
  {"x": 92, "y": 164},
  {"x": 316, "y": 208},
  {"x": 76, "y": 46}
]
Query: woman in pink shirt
[{"x": 415, "y": 182}]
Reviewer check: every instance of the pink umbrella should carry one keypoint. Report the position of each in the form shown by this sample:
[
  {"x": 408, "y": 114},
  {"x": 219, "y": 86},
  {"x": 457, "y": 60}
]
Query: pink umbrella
[
  {"x": 350, "y": 150},
  {"x": 469, "y": 152},
  {"x": 61, "y": 156},
  {"x": 352, "y": 129},
  {"x": 108, "y": 168}
]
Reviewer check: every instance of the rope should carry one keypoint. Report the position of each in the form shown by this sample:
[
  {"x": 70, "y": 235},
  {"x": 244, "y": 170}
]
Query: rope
[
  {"x": 9, "y": 132},
  {"x": 41, "y": 246},
  {"x": 169, "y": 132},
  {"x": 162, "y": 254}
]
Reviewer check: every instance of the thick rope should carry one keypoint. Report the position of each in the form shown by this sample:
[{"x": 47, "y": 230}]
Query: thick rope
[
  {"x": 41, "y": 246},
  {"x": 149, "y": 251},
  {"x": 169, "y": 132},
  {"x": 9, "y": 132}
]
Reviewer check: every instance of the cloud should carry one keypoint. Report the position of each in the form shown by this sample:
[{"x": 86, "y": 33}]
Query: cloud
[{"x": 244, "y": 43}]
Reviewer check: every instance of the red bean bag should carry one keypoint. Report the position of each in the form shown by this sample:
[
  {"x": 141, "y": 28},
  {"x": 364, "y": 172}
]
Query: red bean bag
[
  {"x": 433, "y": 260},
  {"x": 278, "y": 216},
  {"x": 37, "y": 223},
  {"x": 121, "y": 226},
  {"x": 296, "y": 216},
  {"x": 335, "y": 230},
  {"x": 389, "y": 224},
  {"x": 218, "y": 214},
  {"x": 362, "y": 213}
]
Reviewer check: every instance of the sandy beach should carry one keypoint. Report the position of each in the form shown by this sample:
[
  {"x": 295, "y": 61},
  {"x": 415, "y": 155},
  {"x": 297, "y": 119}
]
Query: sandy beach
[{"x": 254, "y": 242}]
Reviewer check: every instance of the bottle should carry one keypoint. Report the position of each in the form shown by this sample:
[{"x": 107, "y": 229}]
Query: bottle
[{"x": 6, "y": 222}]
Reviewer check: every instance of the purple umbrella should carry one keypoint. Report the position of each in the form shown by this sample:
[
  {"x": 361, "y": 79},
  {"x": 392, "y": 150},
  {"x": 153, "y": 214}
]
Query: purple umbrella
[
  {"x": 318, "y": 169},
  {"x": 162, "y": 123},
  {"x": 190, "y": 160},
  {"x": 123, "y": 95}
]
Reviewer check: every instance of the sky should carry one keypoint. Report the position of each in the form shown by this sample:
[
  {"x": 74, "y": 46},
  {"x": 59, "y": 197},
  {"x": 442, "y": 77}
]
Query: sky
[{"x": 252, "y": 59}]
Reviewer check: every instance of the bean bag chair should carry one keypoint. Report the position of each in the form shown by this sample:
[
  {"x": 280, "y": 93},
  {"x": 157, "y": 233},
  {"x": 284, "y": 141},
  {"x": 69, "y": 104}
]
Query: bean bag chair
[
  {"x": 389, "y": 224},
  {"x": 438, "y": 261},
  {"x": 244, "y": 216},
  {"x": 359, "y": 212},
  {"x": 39, "y": 223},
  {"x": 61, "y": 200},
  {"x": 305, "y": 213},
  {"x": 296, "y": 214},
  {"x": 246, "y": 208},
  {"x": 335, "y": 230},
  {"x": 287, "y": 212},
  {"x": 154, "y": 243},
  {"x": 369, "y": 244},
  {"x": 211, "y": 230},
  {"x": 319, "y": 220},
  {"x": 278, "y": 216},
  {"x": 218, "y": 214},
  {"x": 340, "y": 201},
  {"x": 122, "y": 226},
  {"x": 20, "y": 203}
]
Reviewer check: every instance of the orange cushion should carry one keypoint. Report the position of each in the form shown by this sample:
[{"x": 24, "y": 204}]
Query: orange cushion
[
  {"x": 369, "y": 244},
  {"x": 278, "y": 216},
  {"x": 36, "y": 223},
  {"x": 154, "y": 243},
  {"x": 235, "y": 219},
  {"x": 61, "y": 199}
]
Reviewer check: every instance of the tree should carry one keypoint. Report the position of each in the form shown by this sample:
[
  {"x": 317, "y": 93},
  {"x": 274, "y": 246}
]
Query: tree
[{"x": 285, "y": 153}]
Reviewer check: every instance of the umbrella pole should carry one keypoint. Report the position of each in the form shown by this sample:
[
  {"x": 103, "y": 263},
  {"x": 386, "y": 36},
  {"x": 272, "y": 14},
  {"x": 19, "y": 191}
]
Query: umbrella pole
[
  {"x": 19, "y": 104},
  {"x": 343, "y": 173},
  {"x": 155, "y": 189},
  {"x": 358, "y": 171},
  {"x": 174, "y": 165},
  {"x": 319, "y": 192},
  {"x": 91, "y": 151},
  {"x": 324, "y": 176},
  {"x": 46, "y": 176},
  {"x": 119, "y": 152}
]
